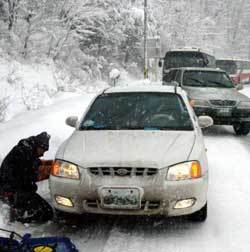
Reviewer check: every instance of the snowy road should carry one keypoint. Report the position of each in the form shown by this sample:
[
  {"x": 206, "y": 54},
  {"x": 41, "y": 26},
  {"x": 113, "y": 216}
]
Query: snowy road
[{"x": 227, "y": 225}]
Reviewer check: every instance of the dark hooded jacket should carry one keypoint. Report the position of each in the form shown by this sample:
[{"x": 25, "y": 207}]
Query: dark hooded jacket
[{"x": 19, "y": 169}]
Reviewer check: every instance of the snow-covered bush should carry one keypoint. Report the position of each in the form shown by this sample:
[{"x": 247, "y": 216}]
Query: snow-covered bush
[
  {"x": 35, "y": 97},
  {"x": 83, "y": 35},
  {"x": 25, "y": 86},
  {"x": 114, "y": 76}
]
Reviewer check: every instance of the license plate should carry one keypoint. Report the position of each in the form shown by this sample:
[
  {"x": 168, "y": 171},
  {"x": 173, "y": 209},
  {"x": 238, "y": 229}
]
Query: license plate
[
  {"x": 120, "y": 198},
  {"x": 224, "y": 112}
]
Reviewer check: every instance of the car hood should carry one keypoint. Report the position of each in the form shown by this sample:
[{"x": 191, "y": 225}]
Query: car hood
[
  {"x": 215, "y": 94},
  {"x": 128, "y": 148}
]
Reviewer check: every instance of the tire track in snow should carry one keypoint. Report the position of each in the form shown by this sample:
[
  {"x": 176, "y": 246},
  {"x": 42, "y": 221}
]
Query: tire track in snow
[
  {"x": 147, "y": 234},
  {"x": 98, "y": 234},
  {"x": 121, "y": 235}
]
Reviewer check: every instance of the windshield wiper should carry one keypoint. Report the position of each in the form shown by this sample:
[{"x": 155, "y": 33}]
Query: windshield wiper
[
  {"x": 176, "y": 128},
  {"x": 131, "y": 128},
  {"x": 150, "y": 128},
  {"x": 219, "y": 83},
  {"x": 96, "y": 127},
  {"x": 198, "y": 81},
  {"x": 140, "y": 128}
]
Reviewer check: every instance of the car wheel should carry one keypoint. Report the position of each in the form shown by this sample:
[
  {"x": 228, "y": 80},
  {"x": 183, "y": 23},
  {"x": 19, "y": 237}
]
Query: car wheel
[
  {"x": 241, "y": 129},
  {"x": 200, "y": 215}
]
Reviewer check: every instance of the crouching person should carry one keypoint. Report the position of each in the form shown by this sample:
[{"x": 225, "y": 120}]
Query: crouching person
[{"x": 19, "y": 173}]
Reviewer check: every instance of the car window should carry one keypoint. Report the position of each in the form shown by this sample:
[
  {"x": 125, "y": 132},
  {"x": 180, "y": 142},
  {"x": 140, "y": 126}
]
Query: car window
[
  {"x": 207, "y": 79},
  {"x": 178, "y": 77},
  {"x": 211, "y": 61},
  {"x": 183, "y": 59},
  {"x": 170, "y": 76},
  {"x": 142, "y": 111},
  {"x": 229, "y": 66}
]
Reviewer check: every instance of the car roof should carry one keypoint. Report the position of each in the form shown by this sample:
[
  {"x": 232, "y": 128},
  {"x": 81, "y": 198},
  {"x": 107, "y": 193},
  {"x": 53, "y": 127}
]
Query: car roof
[
  {"x": 232, "y": 59},
  {"x": 144, "y": 88},
  {"x": 205, "y": 69},
  {"x": 190, "y": 49}
]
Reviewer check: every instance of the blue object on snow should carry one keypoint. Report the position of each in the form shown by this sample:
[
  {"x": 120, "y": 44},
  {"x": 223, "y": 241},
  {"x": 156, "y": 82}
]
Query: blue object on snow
[
  {"x": 44, "y": 244},
  {"x": 8, "y": 244}
]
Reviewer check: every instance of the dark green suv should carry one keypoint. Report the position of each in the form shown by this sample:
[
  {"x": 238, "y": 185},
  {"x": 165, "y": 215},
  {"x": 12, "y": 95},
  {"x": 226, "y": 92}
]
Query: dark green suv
[{"x": 212, "y": 93}]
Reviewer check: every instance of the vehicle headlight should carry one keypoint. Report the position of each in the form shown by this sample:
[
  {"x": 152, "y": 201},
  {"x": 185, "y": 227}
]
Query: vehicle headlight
[
  {"x": 187, "y": 170},
  {"x": 65, "y": 169},
  {"x": 244, "y": 105},
  {"x": 198, "y": 103}
]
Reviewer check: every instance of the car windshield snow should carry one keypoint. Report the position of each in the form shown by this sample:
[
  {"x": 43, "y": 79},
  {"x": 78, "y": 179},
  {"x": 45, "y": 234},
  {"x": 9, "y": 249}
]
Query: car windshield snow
[
  {"x": 207, "y": 79},
  {"x": 137, "y": 111}
]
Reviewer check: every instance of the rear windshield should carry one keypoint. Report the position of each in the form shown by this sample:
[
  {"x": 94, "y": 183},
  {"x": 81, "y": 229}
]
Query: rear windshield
[
  {"x": 183, "y": 59},
  {"x": 137, "y": 111},
  {"x": 207, "y": 79}
]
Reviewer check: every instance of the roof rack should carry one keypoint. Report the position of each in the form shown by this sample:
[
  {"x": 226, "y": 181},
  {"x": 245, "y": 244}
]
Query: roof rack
[
  {"x": 192, "y": 48},
  {"x": 233, "y": 59}
]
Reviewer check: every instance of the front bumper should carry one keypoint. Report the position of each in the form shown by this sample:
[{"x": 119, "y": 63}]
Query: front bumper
[
  {"x": 158, "y": 196},
  {"x": 235, "y": 116}
]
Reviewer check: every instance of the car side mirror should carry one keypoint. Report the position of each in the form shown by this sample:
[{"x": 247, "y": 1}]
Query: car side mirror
[
  {"x": 160, "y": 63},
  {"x": 205, "y": 121},
  {"x": 239, "y": 86},
  {"x": 72, "y": 121}
]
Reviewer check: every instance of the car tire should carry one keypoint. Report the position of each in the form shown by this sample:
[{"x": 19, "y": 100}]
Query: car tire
[
  {"x": 241, "y": 129},
  {"x": 200, "y": 215}
]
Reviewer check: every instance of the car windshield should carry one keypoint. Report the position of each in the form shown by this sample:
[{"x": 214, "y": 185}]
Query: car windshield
[
  {"x": 137, "y": 111},
  {"x": 183, "y": 59},
  {"x": 227, "y": 65},
  {"x": 207, "y": 79}
]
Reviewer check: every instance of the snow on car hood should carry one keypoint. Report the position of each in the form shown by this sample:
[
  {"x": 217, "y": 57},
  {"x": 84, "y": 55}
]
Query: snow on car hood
[
  {"x": 215, "y": 94},
  {"x": 156, "y": 149}
]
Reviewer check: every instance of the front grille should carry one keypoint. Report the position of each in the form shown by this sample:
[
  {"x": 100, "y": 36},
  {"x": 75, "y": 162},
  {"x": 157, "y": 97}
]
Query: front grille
[
  {"x": 224, "y": 103},
  {"x": 122, "y": 171},
  {"x": 92, "y": 203},
  {"x": 145, "y": 204},
  {"x": 150, "y": 205}
]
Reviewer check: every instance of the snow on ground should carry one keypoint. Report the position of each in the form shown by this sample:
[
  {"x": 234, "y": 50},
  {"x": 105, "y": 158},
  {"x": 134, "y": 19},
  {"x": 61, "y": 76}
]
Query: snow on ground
[{"x": 227, "y": 225}]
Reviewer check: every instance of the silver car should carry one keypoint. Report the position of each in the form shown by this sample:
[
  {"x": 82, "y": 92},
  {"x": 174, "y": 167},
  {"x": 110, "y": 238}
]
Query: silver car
[
  {"x": 211, "y": 92},
  {"x": 136, "y": 151}
]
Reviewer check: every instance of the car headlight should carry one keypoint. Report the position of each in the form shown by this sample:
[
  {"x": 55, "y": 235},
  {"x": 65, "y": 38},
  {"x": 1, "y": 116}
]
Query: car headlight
[
  {"x": 244, "y": 105},
  {"x": 198, "y": 103},
  {"x": 65, "y": 169},
  {"x": 186, "y": 170}
]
